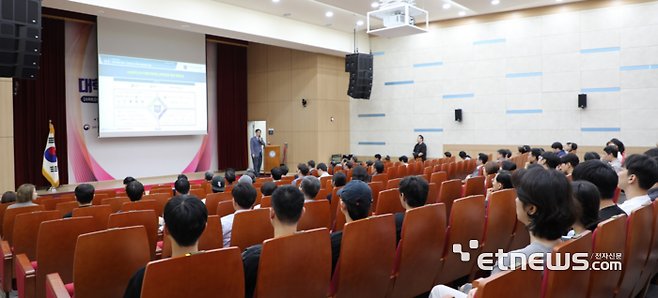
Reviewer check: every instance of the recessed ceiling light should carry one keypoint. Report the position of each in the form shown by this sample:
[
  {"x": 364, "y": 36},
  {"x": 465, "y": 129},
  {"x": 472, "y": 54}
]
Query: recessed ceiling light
[
  {"x": 461, "y": 13},
  {"x": 287, "y": 14},
  {"x": 327, "y": 25},
  {"x": 359, "y": 23},
  {"x": 495, "y": 2},
  {"x": 185, "y": 26},
  {"x": 375, "y": 4},
  {"x": 329, "y": 14},
  {"x": 446, "y": 6}
]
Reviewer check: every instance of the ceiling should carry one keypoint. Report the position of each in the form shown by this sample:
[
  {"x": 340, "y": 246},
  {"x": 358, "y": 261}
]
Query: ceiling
[{"x": 347, "y": 12}]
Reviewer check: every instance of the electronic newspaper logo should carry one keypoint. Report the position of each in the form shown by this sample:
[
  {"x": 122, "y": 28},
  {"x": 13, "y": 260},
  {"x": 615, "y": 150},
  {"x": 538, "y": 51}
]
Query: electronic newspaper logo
[{"x": 562, "y": 262}]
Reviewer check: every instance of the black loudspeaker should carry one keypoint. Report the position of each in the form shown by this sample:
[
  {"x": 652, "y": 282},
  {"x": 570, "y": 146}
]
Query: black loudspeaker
[
  {"x": 360, "y": 68},
  {"x": 20, "y": 38},
  {"x": 458, "y": 115},
  {"x": 582, "y": 101}
]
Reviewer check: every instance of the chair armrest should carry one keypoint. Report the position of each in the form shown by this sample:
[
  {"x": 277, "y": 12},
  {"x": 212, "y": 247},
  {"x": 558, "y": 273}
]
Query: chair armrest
[
  {"x": 25, "y": 277},
  {"x": 55, "y": 287},
  {"x": 5, "y": 267}
]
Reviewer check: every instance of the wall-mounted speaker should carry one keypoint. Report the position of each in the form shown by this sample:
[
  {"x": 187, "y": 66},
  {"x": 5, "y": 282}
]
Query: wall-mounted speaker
[
  {"x": 360, "y": 68},
  {"x": 458, "y": 115},
  {"x": 20, "y": 38},
  {"x": 582, "y": 101}
]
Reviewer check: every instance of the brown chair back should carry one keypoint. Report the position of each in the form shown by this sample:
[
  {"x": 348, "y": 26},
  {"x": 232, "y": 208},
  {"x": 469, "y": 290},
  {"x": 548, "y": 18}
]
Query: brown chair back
[
  {"x": 367, "y": 253},
  {"x": 438, "y": 178},
  {"x": 26, "y": 231},
  {"x": 419, "y": 252},
  {"x": 500, "y": 221},
  {"x": 10, "y": 218},
  {"x": 66, "y": 207},
  {"x": 489, "y": 180},
  {"x": 213, "y": 199},
  {"x": 287, "y": 262},
  {"x": 225, "y": 277},
  {"x": 98, "y": 198},
  {"x": 96, "y": 274},
  {"x": 316, "y": 216},
  {"x": 389, "y": 202},
  {"x": 323, "y": 181},
  {"x": 51, "y": 204},
  {"x": 393, "y": 183},
  {"x": 474, "y": 186},
  {"x": 402, "y": 171},
  {"x": 433, "y": 194},
  {"x": 146, "y": 218},
  {"x": 111, "y": 193},
  {"x": 160, "y": 199},
  {"x": 383, "y": 178},
  {"x": 520, "y": 237},
  {"x": 225, "y": 208},
  {"x": 638, "y": 244},
  {"x": 3, "y": 209},
  {"x": 288, "y": 179},
  {"x": 335, "y": 200},
  {"x": 568, "y": 283},
  {"x": 115, "y": 203},
  {"x": 139, "y": 205},
  {"x": 648, "y": 269},
  {"x": 603, "y": 283},
  {"x": 466, "y": 223},
  {"x": 266, "y": 202},
  {"x": 56, "y": 247},
  {"x": 322, "y": 195},
  {"x": 523, "y": 283},
  {"x": 101, "y": 215},
  {"x": 449, "y": 192},
  {"x": 250, "y": 228},
  {"x": 198, "y": 192},
  {"x": 375, "y": 188},
  {"x": 38, "y": 200},
  {"x": 392, "y": 173},
  {"x": 212, "y": 237}
]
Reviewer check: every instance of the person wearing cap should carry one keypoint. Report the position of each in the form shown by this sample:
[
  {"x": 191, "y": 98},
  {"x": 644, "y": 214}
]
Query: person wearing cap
[
  {"x": 218, "y": 184},
  {"x": 413, "y": 194},
  {"x": 355, "y": 202},
  {"x": 244, "y": 197}
]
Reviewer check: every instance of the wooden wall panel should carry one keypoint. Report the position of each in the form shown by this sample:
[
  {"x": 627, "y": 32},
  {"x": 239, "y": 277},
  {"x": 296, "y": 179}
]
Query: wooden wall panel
[
  {"x": 304, "y": 118},
  {"x": 278, "y": 59},
  {"x": 6, "y": 135},
  {"x": 279, "y": 85},
  {"x": 302, "y": 59},
  {"x": 304, "y": 83},
  {"x": 279, "y": 115},
  {"x": 257, "y": 87},
  {"x": 257, "y": 58},
  {"x": 257, "y": 111}
]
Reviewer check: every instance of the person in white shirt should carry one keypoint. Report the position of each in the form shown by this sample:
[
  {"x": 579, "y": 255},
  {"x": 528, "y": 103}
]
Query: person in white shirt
[
  {"x": 244, "y": 197},
  {"x": 322, "y": 170},
  {"x": 611, "y": 157},
  {"x": 638, "y": 174}
]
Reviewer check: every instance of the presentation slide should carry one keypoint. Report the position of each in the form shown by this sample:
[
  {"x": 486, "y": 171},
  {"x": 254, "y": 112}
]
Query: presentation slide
[{"x": 145, "y": 97}]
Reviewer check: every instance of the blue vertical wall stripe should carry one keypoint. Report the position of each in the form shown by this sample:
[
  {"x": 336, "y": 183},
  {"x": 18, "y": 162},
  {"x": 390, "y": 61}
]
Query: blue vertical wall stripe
[
  {"x": 589, "y": 51},
  {"x": 593, "y": 129},
  {"x": 592, "y": 90},
  {"x": 372, "y": 115},
  {"x": 481, "y": 42},
  {"x": 524, "y": 111}
]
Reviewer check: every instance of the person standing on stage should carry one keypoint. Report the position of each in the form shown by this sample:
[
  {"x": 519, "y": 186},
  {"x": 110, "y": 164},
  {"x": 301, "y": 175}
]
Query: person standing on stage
[
  {"x": 256, "y": 143},
  {"x": 420, "y": 150}
]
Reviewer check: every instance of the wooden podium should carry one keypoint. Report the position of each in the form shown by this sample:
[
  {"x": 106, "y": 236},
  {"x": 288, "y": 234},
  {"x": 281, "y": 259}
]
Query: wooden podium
[{"x": 271, "y": 157}]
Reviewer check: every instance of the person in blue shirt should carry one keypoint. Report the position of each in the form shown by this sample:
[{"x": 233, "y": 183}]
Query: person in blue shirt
[{"x": 558, "y": 149}]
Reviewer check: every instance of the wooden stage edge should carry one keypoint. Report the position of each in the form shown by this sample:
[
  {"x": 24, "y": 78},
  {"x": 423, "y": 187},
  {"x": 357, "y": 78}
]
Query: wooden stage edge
[{"x": 114, "y": 184}]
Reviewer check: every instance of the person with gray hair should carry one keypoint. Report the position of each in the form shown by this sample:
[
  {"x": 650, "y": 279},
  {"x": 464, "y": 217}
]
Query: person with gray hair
[
  {"x": 208, "y": 175},
  {"x": 310, "y": 186}
]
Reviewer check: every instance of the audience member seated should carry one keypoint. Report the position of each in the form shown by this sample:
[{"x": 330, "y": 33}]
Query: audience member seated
[
  {"x": 446, "y": 154},
  {"x": 218, "y": 184},
  {"x": 571, "y": 147},
  {"x": 464, "y": 156},
  {"x": 378, "y": 157},
  {"x": 251, "y": 174},
  {"x": 638, "y": 174},
  {"x": 127, "y": 181},
  {"x": 267, "y": 188},
  {"x": 549, "y": 160},
  {"x": 413, "y": 194},
  {"x": 502, "y": 155},
  {"x": 524, "y": 149},
  {"x": 508, "y": 165},
  {"x": 360, "y": 173},
  {"x": 558, "y": 149},
  {"x": 502, "y": 180},
  {"x": 568, "y": 162},
  {"x": 491, "y": 167},
  {"x": 229, "y": 176},
  {"x": 310, "y": 186},
  {"x": 592, "y": 156},
  {"x": 533, "y": 157},
  {"x": 338, "y": 180},
  {"x": 605, "y": 179},
  {"x": 302, "y": 171},
  {"x": 287, "y": 209},
  {"x": 355, "y": 202},
  {"x": 545, "y": 204},
  {"x": 404, "y": 160},
  {"x": 276, "y": 173},
  {"x": 208, "y": 175},
  {"x": 135, "y": 191},
  {"x": 84, "y": 194},
  {"x": 186, "y": 219},
  {"x": 388, "y": 158},
  {"x": 322, "y": 170},
  {"x": 182, "y": 176},
  {"x": 245, "y": 179},
  {"x": 244, "y": 197},
  {"x": 479, "y": 162},
  {"x": 508, "y": 155},
  {"x": 354, "y": 159},
  {"x": 182, "y": 186},
  {"x": 589, "y": 198},
  {"x": 25, "y": 194},
  {"x": 8, "y": 197},
  {"x": 369, "y": 163},
  {"x": 347, "y": 166},
  {"x": 379, "y": 168},
  {"x": 610, "y": 156},
  {"x": 653, "y": 192},
  {"x": 621, "y": 155},
  {"x": 311, "y": 166},
  {"x": 284, "y": 170}
]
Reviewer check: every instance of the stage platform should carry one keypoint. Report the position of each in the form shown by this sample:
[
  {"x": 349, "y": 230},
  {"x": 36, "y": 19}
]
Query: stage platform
[{"x": 118, "y": 184}]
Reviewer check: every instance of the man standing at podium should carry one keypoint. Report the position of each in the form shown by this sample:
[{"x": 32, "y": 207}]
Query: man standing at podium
[{"x": 256, "y": 143}]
